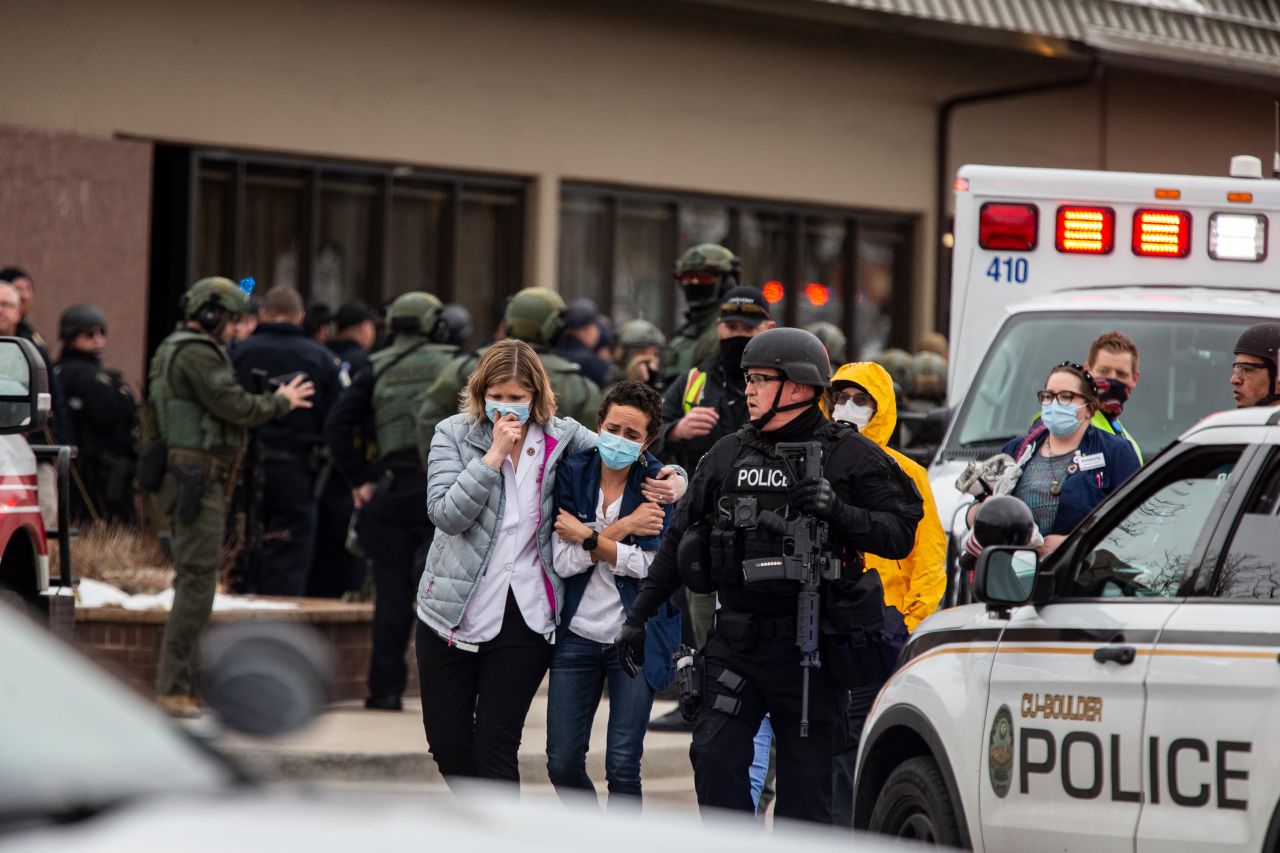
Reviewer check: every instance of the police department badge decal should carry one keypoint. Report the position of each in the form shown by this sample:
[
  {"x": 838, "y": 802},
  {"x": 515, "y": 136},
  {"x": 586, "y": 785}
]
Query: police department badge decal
[{"x": 1000, "y": 752}]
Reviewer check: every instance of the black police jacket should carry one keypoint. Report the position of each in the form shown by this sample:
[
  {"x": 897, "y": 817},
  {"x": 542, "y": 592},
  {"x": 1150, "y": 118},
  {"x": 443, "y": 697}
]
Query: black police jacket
[
  {"x": 281, "y": 350},
  {"x": 729, "y": 399},
  {"x": 351, "y": 356},
  {"x": 880, "y": 510},
  {"x": 100, "y": 405}
]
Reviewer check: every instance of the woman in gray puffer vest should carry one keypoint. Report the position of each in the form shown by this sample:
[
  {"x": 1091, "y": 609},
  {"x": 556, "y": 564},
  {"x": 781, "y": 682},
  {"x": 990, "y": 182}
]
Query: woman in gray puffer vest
[{"x": 488, "y": 602}]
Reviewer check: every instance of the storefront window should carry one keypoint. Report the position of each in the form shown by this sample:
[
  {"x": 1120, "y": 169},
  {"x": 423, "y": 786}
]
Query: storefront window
[
  {"x": 617, "y": 246},
  {"x": 342, "y": 231}
]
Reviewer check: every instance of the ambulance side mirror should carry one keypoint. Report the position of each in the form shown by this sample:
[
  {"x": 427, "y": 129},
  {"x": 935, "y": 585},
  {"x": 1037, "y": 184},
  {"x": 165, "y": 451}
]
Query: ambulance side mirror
[
  {"x": 1005, "y": 576},
  {"x": 24, "y": 387}
]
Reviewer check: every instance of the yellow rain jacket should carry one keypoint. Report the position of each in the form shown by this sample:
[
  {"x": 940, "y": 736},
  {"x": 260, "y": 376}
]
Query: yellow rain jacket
[{"x": 915, "y": 584}]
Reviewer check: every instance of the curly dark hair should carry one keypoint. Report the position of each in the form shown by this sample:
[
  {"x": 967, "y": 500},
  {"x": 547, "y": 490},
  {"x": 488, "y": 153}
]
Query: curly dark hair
[{"x": 637, "y": 395}]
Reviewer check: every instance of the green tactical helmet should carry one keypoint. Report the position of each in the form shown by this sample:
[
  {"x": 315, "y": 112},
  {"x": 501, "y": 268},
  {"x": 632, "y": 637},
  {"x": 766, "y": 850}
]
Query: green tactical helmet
[
  {"x": 708, "y": 258},
  {"x": 929, "y": 376},
  {"x": 898, "y": 364},
  {"x": 640, "y": 333},
  {"x": 216, "y": 293},
  {"x": 535, "y": 315},
  {"x": 832, "y": 338},
  {"x": 416, "y": 312}
]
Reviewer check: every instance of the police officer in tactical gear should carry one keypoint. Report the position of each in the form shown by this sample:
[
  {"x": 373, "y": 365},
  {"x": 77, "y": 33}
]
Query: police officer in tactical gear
[
  {"x": 705, "y": 273},
  {"x": 288, "y": 448},
  {"x": 743, "y": 500},
  {"x": 103, "y": 412},
  {"x": 355, "y": 332},
  {"x": 458, "y": 319},
  {"x": 637, "y": 354},
  {"x": 535, "y": 315},
  {"x": 392, "y": 526},
  {"x": 197, "y": 414},
  {"x": 832, "y": 338},
  {"x": 1255, "y": 373}
]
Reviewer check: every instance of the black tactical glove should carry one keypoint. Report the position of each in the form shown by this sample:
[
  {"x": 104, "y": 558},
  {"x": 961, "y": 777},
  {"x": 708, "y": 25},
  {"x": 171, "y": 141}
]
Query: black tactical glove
[
  {"x": 630, "y": 644},
  {"x": 817, "y": 498}
]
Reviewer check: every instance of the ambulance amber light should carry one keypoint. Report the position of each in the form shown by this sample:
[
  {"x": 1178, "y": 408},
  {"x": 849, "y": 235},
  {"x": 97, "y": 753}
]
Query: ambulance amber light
[
  {"x": 1162, "y": 233},
  {"x": 1008, "y": 227},
  {"x": 1237, "y": 237},
  {"x": 961, "y": 185},
  {"x": 1085, "y": 230},
  {"x": 1169, "y": 194}
]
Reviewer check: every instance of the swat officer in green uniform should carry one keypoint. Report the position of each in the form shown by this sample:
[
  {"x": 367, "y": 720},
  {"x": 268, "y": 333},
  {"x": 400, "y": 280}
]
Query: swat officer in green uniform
[
  {"x": 705, "y": 273},
  {"x": 391, "y": 494},
  {"x": 195, "y": 422},
  {"x": 535, "y": 315}
]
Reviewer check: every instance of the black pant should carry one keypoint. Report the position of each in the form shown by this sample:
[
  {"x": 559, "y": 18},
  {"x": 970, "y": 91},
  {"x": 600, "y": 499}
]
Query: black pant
[
  {"x": 334, "y": 570},
  {"x": 855, "y": 717},
  {"x": 283, "y": 560},
  {"x": 723, "y": 736},
  {"x": 394, "y": 532},
  {"x": 474, "y": 704}
]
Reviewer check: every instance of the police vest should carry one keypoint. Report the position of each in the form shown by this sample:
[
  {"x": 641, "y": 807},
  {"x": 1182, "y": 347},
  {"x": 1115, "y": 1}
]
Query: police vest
[
  {"x": 185, "y": 424},
  {"x": 759, "y": 480},
  {"x": 402, "y": 374}
]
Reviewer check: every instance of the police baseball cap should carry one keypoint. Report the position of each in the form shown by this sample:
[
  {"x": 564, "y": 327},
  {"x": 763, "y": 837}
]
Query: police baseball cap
[
  {"x": 353, "y": 314},
  {"x": 745, "y": 305}
]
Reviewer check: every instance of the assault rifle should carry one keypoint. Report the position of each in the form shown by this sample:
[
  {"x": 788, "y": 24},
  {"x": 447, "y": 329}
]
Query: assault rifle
[{"x": 806, "y": 557}]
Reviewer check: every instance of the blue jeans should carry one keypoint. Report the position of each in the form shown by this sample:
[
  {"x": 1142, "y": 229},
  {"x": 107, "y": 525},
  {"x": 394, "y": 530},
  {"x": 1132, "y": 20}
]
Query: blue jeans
[
  {"x": 760, "y": 761},
  {"x": 579, "y": 668}
]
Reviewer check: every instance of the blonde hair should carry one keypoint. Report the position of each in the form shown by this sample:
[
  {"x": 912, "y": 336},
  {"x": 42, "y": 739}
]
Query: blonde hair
[{"x": 506, "y": 360}]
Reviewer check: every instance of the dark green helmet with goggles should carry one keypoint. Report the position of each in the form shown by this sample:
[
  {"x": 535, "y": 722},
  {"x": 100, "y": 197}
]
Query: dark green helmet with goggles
[
  {"x": 416, "y": 313},
  {"x": 535, "y": 315},
  {"x": 706, "y": 272},
  {"x": 211, "y": 297},
  {"x": 634, "y": 334}
]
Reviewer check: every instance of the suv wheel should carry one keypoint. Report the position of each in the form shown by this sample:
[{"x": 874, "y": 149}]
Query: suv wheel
[{"x": 914, "y": 804}]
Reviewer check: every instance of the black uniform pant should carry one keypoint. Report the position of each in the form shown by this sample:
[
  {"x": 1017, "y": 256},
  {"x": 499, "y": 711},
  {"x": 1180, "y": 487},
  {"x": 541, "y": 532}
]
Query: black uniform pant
[
  {"x": 288, "y": 529},
  {"x": 755, "y": 673},
  {"x": 855, "y": 717},
  {"x": 334, "y": 570},
  {"x": 394, "y": 532},
  {"x": 474, "y": 704}
]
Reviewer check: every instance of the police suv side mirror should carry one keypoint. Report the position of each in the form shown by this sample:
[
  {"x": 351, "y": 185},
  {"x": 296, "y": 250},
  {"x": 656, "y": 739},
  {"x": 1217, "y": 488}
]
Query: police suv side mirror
[
  {"x": 1005, "y": 576},
  {"x": 24, "y": 387}
]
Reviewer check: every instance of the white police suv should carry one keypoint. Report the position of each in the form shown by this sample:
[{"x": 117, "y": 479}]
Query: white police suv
[{"x": 1121, "y": 694}]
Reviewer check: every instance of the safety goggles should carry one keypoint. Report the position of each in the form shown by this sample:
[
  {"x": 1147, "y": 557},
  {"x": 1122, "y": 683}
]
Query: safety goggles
[{"x": 1246, "y": 368}]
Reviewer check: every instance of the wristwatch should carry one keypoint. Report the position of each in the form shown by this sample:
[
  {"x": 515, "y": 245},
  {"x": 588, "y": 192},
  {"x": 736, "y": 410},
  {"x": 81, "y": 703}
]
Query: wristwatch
[{"x": 590, "y": 543}]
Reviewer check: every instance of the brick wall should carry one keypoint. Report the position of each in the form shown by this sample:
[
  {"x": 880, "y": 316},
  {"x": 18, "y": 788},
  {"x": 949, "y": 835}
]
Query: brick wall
[{"x": 127, "y": 642}]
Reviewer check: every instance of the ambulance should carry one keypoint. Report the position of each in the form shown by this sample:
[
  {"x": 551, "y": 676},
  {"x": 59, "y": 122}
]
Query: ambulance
[
  {"x": 1045, "y": 260},
  {"x": 25, "y": 578}
]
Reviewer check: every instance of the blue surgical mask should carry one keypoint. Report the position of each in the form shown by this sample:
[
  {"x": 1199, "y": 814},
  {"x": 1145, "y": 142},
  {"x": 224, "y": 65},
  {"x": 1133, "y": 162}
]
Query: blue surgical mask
[
  {"x": 617, "y": 452},
  {"x": 494, "y": 409},
  {"x": 1060, "y": 418}
]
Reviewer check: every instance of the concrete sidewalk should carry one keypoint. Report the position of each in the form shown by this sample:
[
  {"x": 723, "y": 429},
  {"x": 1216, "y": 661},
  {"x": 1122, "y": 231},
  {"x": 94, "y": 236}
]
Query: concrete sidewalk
[{"x": 348, "y": 744}]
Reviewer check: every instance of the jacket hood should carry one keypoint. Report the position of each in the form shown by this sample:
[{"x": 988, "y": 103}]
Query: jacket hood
[{"x": 879, "y": 385}]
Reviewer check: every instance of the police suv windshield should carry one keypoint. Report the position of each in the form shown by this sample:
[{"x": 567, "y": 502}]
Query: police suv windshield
[
  {"x": 74, "y": 742},
  {"x": 1185, "y": 373}
]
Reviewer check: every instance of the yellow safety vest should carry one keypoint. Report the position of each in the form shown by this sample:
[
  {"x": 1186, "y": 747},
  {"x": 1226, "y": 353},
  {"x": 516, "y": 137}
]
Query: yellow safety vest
[{"x": 693, "y": 387}]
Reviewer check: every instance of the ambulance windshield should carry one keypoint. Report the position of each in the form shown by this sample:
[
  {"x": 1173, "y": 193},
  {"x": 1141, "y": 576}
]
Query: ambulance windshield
[{"x": 1184, "y": 374}]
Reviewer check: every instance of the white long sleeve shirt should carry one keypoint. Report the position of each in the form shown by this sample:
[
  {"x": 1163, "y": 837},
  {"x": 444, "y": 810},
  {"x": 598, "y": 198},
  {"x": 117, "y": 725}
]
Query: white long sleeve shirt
[
  {"x": 514, "y": 563},
  {"x": 599, "y": 616}
]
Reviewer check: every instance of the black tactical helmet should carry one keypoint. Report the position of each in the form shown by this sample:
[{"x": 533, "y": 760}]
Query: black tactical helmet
[
  {"x": 1003, "y": 520},
  {"x": 457, "y": 319},
  {"x": 80, "y": 318},
  {"x": 1262, "y": 340},
  {"x": 796, "y": 354}
]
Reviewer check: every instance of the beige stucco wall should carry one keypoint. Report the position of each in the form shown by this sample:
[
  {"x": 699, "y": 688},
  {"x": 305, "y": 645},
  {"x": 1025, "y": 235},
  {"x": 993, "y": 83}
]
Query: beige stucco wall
[{"x": 654, "y": 94}]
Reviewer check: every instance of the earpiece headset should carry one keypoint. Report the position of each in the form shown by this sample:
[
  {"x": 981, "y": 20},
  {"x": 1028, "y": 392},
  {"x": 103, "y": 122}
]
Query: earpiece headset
[
  {"x": 552, "y": 327},
  {"x": 208, "y": 316}
]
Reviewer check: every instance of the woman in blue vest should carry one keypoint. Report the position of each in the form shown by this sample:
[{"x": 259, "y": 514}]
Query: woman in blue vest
[{"x": 606, "y": 535}]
